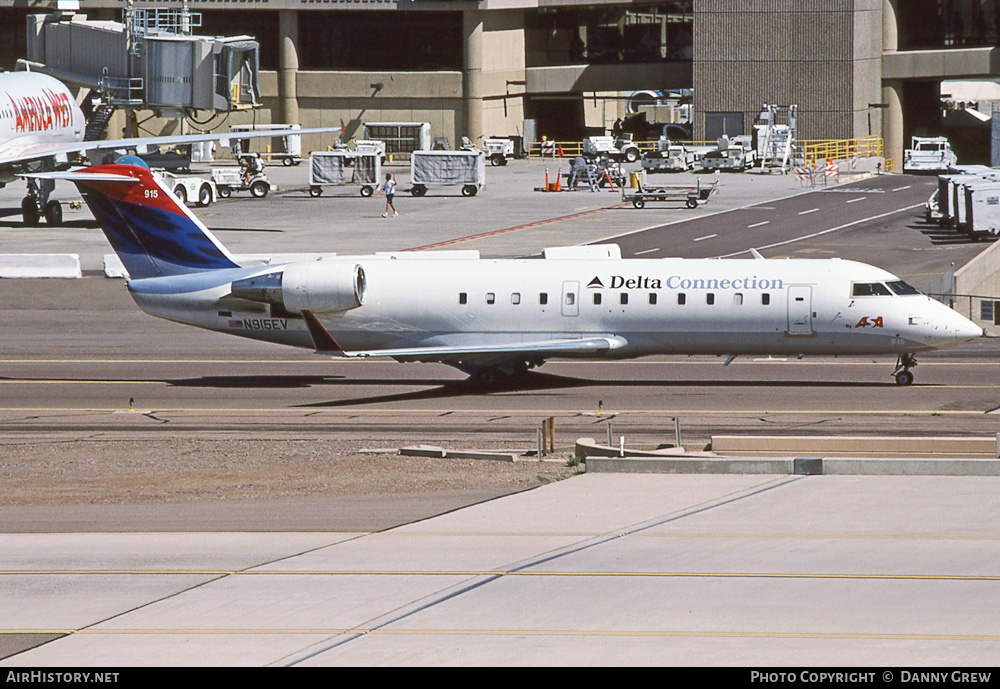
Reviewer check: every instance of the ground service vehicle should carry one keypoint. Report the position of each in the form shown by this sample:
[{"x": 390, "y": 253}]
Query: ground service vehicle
[
  {"x": 928, "y": 154},
  {"x": 190, "y": 189},
  {"x": 228, "y": 180},
  {"x": 622, "y": 148}
]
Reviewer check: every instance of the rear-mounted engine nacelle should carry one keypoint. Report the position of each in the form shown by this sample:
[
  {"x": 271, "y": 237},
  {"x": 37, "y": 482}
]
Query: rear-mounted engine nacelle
[{"x": 321, "y": 287}]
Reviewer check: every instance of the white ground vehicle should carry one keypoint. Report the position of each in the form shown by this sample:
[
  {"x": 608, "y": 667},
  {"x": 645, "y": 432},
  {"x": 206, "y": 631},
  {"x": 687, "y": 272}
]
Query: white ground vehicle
[
  {"x": 730, "y": 154},
  {"x": 622, "y": 148},
  {"x": 669, "y": 157},
  {"x": 227, "y": 180},
  {"x": 928, "y": 154},
  {"x": 498, "y": 151},
  {"x": 189, "y": 189}
]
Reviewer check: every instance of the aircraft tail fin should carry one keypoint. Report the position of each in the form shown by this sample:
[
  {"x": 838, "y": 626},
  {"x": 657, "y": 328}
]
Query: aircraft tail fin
[{"x": 153, "y": 233}]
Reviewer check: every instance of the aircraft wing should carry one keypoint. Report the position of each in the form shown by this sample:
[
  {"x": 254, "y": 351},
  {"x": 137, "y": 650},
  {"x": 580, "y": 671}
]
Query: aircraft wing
[
  {"x": 25, "y": 153},
  {"x": 570, "y": 346}
]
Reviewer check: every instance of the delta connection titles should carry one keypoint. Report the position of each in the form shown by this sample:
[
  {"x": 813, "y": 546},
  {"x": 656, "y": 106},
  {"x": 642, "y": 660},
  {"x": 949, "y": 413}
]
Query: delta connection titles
[
  {"x": 902, "y": 676},
  {"x": 680, "y": 282}
]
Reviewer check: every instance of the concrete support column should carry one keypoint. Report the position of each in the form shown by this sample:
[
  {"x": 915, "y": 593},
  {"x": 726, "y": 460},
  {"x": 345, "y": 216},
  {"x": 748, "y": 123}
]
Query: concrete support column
[
  {"x": 892, "y": 121},
  {"x": 472, "y": 75},
  {"x": 890, "y": 26},
  {"x": 288, "y": 65}
]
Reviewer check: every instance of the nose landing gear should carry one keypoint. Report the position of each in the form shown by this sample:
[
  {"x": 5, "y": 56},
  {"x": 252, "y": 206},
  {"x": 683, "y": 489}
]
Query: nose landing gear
[{"x": 902, "y": 373}]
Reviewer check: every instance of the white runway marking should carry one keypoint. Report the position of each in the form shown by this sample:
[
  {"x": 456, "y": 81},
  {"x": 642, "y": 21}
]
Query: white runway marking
[
  {"x": 811, "y": 210},
  {"x": 862, "y": 198},
  {"x": 758, "y": 224},
  {"x": 647, "y": 251},
  {"x": 901, "y": 188},
  {"x": 707, "y": 236}
]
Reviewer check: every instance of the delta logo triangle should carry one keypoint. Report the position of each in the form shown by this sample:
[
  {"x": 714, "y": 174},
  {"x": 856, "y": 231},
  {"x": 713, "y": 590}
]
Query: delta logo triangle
[{"x": 595, "y": 283}]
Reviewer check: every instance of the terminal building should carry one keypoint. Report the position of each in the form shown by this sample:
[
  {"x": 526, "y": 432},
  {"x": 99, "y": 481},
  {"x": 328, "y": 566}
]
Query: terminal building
[{"x": 564, "y": 69}]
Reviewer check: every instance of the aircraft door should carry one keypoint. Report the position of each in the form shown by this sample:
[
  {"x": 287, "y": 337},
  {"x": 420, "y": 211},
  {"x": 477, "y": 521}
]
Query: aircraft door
[
  {"x": 571, "y": 298},
  {"x": 800, "y": 310}
]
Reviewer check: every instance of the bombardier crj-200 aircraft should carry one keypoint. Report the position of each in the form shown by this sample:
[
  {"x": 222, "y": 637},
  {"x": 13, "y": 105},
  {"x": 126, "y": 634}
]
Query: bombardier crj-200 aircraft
[
  {"x": 42, "y": 128},
  {"x": 496, "y": 317}
]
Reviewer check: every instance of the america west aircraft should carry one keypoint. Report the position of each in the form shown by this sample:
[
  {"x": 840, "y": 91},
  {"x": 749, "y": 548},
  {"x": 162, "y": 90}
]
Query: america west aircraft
[
  {"x": 496, "y": 317},
  {"x": 42, "y": 128}
]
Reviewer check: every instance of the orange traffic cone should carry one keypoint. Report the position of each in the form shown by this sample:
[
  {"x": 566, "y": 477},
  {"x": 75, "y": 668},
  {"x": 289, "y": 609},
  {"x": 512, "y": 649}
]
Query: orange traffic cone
[
  {"x": 547, "y": 187},
  {"x": 561, "y": 154},
  {"x": 558, "y": 180}
]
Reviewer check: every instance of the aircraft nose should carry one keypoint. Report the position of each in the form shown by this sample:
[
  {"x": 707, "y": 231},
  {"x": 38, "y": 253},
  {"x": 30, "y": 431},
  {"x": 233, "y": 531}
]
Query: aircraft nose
[{"x": 967, "y": 330}]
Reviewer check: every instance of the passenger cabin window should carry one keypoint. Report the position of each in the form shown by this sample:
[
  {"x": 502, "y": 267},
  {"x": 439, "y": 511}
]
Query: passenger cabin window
[
  {"x": 681, "y": 299},
  {"x": 624, "y": 298},
  {"x": 515, "y": 298},
  {"x": 463, "y": 298},
  {"x": 709, "y": 298},
  {"x": 543, "y": 298},
  {"x": 765, "y": 299},
  {"x": 597, "y": 298},
  {"x": 869, "y": 289},
  {"x": 652, "y": 298},
  {"x": 738, "y": 299},
  {"x": 570, "y": 298},
  {"x": 490, "y": 298}
]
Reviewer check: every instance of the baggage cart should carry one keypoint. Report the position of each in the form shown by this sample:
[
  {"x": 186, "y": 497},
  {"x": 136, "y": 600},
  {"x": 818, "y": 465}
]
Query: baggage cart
[
  {"x": 690, "y": 194},
  {"x": 463, "y": 168},
  {"x": 341, "y": 168}
]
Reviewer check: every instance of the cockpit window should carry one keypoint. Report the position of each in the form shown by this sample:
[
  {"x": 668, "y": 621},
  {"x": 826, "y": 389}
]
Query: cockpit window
[
  {"x": 870, "y": 289},
  {"x": 901, "y": 288}
]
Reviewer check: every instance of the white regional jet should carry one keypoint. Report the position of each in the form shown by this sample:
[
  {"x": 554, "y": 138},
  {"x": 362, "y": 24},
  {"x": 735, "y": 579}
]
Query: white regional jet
[
  {"x": 494, "y": 317},
  {"x": 42, "y": 128}
]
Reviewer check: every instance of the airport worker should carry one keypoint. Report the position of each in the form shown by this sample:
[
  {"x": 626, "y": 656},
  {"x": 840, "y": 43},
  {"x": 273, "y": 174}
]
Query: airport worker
[
  {"x": 616, "y": 128},
  {"x": 389, "y": 189},
  {"x": 578, "y": 171},
  {"x": 245, "y": 169}
]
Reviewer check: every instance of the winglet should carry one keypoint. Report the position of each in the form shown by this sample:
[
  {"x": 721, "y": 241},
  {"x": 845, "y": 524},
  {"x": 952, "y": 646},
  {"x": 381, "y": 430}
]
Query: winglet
[{"x": 322, "y": 339}]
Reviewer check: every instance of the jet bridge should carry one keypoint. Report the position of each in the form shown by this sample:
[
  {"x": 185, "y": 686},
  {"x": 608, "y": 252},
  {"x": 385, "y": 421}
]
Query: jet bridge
[{"x": 149, "y": 60}]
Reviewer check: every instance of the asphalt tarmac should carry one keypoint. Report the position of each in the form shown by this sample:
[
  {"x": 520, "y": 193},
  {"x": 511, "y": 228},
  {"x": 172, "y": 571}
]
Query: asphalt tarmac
[{"x": 590, "y": 570}]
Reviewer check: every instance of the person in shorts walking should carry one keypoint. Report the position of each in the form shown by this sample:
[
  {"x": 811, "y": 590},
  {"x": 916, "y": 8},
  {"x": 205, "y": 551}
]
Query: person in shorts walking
[{"x": 389, "y": 189}]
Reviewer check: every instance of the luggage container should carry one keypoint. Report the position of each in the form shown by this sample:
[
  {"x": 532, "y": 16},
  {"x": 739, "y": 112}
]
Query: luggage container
[
  {"x": 448, "y": 168},
  {"x": 982, "y": 208},
  {"x": 401, "y": 138},
  {"x": 342, "y": 168}
]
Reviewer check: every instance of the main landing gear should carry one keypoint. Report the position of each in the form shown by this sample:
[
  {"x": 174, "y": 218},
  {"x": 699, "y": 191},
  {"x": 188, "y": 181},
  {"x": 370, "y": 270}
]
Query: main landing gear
[
  {"x": 36, "y": 204},
  {"x": 902, "y": 373}
]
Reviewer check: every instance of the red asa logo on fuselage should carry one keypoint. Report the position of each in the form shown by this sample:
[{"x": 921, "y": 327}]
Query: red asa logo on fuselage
[
  {"x": 47, "y": 111},
  {"x": 865, "y": 322}
]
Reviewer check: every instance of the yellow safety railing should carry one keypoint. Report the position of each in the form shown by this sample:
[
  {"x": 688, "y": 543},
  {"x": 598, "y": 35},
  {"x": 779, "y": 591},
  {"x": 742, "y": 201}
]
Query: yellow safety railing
[{"x": 842, "y": 149}]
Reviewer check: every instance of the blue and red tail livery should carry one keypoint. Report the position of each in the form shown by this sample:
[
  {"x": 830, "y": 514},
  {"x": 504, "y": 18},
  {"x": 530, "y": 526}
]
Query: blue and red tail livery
[{"x": 153, "y": 234}]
